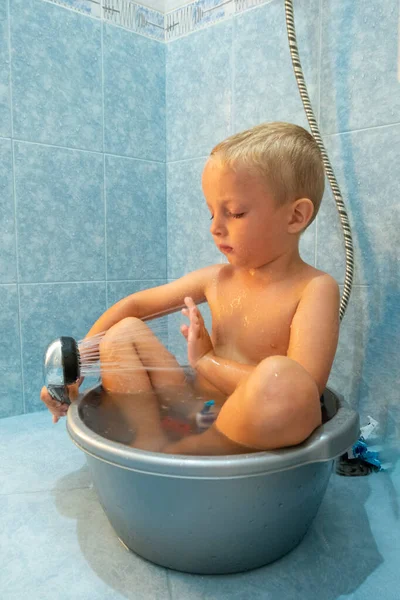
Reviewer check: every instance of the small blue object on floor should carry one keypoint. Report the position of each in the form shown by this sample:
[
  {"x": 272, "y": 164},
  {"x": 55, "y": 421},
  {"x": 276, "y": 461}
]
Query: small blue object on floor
[{"x": 360, "y": 450}]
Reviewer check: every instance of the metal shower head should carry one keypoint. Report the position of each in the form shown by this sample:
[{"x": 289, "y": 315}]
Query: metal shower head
[{"x": 61, "y": 367}]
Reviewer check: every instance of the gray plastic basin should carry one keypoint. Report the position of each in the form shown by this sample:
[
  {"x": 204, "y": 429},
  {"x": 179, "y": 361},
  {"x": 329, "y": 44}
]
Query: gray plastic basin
[{"x": 221, "y": 514}]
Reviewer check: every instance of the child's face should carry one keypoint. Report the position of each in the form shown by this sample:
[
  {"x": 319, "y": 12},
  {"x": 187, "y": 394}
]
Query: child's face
[{"x": 247, "y": 224}]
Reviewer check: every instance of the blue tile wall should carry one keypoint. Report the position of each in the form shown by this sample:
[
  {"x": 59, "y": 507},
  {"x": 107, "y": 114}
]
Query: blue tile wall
[
  {"x": 60, "y": 208},
  {"x": 11, "y": 398},
  {"x": 136, "y": 219},
  {"x": 359, "y": 70},
  {"x": 369, "y": 186},
  {"x": 56, "y": 76},
  {"x": 5, "y": 118},
  {"x": 199, "y": 91},
  {"x": 8, "y": 262},
  {"x": 265, "y": 88},
  {"x": 134, "y": 95},
  {"x": 69, "y": 210}
]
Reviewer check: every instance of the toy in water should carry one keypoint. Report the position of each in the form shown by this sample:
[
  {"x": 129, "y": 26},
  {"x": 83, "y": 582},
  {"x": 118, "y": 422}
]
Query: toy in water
[
  {"x": 176, "y": 426},
  {"x": 205, "y": 418}
]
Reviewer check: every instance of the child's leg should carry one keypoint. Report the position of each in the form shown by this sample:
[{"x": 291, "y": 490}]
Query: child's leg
[
  {"x": 276, "y": 406},
  {"x": 127, "y": 350}
]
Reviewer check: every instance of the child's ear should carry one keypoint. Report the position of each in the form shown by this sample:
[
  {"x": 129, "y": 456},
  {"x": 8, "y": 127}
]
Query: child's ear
[{"x": 301, "y": 214}]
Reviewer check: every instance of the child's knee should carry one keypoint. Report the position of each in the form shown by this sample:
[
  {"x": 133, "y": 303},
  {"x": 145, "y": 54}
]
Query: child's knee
[
  {"x": 278, "y": 406},
  {"x": 123, "y": 331},
  {"x": 278, "y": 378}
]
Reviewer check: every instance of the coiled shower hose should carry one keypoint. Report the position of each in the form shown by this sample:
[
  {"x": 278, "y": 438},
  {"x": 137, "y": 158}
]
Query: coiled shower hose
[{"x": 348, "y": 242}]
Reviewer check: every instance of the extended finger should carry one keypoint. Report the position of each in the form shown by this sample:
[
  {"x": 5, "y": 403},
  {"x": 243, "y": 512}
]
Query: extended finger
[{"x": 189, "y": 302}]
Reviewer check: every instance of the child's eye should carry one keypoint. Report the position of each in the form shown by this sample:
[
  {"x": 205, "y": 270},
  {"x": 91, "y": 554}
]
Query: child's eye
[
  {"x": 236, "y": 215},
  {"x": 211, "y": 218}
]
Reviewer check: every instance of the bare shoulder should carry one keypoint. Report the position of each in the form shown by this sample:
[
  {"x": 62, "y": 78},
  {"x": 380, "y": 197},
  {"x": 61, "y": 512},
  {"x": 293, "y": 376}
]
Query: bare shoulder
[
  {"x": 217, "y": 274},
  {"x": 321, "y": 285}
]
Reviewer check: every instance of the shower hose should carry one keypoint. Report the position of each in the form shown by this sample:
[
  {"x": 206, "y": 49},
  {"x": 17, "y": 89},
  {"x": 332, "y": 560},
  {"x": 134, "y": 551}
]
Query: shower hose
[{"x": 348, "y": 242}]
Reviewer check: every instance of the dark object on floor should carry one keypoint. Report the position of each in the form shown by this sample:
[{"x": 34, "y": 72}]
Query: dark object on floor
[{"x": 353, "y": 467}]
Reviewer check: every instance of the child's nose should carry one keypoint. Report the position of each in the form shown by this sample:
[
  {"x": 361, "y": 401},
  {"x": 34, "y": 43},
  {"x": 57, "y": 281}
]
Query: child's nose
[{"x": 217, "y": 226}]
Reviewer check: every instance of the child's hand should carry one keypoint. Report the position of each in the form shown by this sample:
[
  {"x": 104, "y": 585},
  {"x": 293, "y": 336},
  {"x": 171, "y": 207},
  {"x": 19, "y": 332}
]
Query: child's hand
[
  {"x": 196, "y": 334},
  {"x": 57, "y": 409}
]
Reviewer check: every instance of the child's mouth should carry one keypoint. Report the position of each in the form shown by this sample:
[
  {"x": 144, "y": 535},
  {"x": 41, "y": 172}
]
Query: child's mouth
[{"x": 225, "y": 248}]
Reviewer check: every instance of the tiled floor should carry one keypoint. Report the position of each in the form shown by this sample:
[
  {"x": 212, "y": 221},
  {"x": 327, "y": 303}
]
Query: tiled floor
[{"x": 56, "y": 543}]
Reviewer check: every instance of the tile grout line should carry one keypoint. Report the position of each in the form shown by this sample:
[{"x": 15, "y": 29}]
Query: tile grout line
[
  {"x": 15, "y": 211},
  {"x": 188, "y": 159},
  {"x": 84, "y": 281},
  {"x": 362, "y": 129},
  {"x": 104, "y": 159},
  {"x": 148, "y": 160}
]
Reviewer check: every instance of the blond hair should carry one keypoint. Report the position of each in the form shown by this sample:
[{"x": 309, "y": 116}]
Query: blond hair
[{"x": 285, "y": 155}]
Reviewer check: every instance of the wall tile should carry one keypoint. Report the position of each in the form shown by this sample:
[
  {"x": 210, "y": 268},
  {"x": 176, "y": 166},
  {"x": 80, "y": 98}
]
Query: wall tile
[
  {"x": 265, "y": 88},
  {"x": 11, "y": 400},
  {"x": 60, "y": 214},
  {"x": 48, "y": 312},
  {"x": 369, "y": 187},
  {"x": 5, "y": 115},
  {"x": 359, "y": 70},
  {"x": 56, "y": 75},
  {"x": 136, "y": 219},
  {"x": 8, "y": 263},
  {"x": 134, "y": 95},
  {"x": 198, "y": 92},
  {"x": 190, "y": 244}
]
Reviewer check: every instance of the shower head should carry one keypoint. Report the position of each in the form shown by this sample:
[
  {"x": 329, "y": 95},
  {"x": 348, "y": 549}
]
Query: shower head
[{"x": 61, "y": 367}]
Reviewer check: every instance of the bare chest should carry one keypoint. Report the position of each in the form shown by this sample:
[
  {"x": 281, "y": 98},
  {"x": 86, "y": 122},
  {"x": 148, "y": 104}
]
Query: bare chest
[{"x": 249, "y": 325}]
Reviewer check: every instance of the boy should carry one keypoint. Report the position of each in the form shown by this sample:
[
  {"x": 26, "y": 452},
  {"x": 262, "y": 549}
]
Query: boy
[{"x": 275, "y": 318}]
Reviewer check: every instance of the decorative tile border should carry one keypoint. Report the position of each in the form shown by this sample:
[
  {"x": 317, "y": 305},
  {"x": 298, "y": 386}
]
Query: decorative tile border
[
  {"x": 135, "y": 17},
  {"x": 156, "y": 25},
  {"x": 202, "y": 13}
]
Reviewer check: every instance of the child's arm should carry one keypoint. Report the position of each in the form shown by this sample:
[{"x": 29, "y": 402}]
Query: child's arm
[
  {"x": 157, "y": 301},
  {"x": 313, "y": 339},
  {"x": 314, "y": 332}
]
